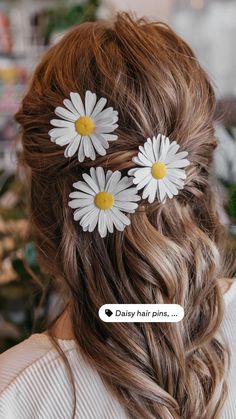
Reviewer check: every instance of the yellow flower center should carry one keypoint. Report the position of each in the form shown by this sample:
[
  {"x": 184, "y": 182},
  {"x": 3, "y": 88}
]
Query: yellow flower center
[
  {"x": 84, "y": 125},
  {"x": 159, "y": 170},
  {"x": 104, "y": 200}
]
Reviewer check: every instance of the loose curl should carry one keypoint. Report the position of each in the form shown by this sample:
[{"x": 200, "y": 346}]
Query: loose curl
[{"x": 171, "y": 253}]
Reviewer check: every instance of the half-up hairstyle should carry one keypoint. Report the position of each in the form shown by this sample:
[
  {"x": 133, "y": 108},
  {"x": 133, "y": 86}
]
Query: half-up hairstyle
[{"x": 171, "y": 252}]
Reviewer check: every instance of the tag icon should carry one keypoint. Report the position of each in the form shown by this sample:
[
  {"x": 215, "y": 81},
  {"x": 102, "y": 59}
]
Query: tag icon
[{"x": 108, "y": 312}]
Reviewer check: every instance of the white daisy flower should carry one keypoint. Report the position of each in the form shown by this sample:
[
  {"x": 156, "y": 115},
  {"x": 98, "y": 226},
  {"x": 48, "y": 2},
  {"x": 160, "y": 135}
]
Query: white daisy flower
[
  {"x": 84, "y": 128},
  {"x": 162, "y": 171},
  {"x": 101, "y": 199}
]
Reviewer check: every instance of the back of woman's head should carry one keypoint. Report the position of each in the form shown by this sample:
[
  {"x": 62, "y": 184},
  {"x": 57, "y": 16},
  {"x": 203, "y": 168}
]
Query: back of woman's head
[{"x": 170, "y": 251}]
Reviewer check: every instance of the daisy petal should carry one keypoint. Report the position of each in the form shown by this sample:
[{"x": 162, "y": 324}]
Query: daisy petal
[
  {"x": 104, "y": 129},
  {"x": 78, "y": 214},
  {"x": 90, "y": 218},
  {"x": 178, "y": 164},
  {"x": 81, "y": 155},
  {"x": 120, "y": 216},
  {"x": 82, "y": 186},
  {"x": 65, "y": 114},
  {"x": 150, "y": 191},
  {"x": 110, "y": 137},
  {"x": 102, "y": 224},
  {"x": 88, "y": 148},
  {"x": 162, "y": 190},
  {"x": 77, "y": 103},
  {"x": 65, "y": 139},
  {"x": 90, "y": 182},
  {"x": 112, "y": 182},
  {"x": 110, "y": 225},
  {"x": 97, "y": 145},
  {"x": 125, "y": 206},
  {"x": 117, "y": 223},
  {"x": 80, "y": 195},
  {"x": 72, "y": 147},
  {"x": 59, "y": 132},
  {"x": 61, "y": 123},
  {"x": 171, "y": 186},
  {"x": 101, "y": 178},
  {"x": 90, "y": 101},
  {"x": 99, "y": 107},
  {"x": 179, "y": 173},
  {"x": 177, "y": 156},
  {"x": 79, "y": 203},
  {"x": 69, "y": 105}
]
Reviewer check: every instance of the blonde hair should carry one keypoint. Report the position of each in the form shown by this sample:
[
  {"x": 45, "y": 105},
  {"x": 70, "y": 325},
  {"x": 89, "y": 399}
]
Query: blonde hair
[{"x": 171, "y": 253}]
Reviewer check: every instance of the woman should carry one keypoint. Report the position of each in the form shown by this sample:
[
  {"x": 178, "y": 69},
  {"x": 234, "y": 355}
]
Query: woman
[{"x": 115, "y": 223}]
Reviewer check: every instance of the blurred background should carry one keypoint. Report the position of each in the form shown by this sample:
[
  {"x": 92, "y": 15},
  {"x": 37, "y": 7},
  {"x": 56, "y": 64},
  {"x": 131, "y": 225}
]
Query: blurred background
[{"x": 27, "y": 29}]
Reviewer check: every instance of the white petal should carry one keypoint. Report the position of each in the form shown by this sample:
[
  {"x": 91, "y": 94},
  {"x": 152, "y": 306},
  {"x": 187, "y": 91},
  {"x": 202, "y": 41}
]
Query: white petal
[
  {"x": 124, "y": 183},
  {"x": 156, "y": 146},
  {"x": 99, "y": 138},
  {"x": 88, "y": 148},
  {"x": 94, "y": 220},
  {"x": 90, "y": 182},
  {"x": 101, "y": 178},
  {"x": 162, "y": 190},
  {"x": 178, "y": 164},
  {"x": 90, "y": 101},
  {"x": 125, "y": 206},
  {"x": 61, "y": 123},
  {"x": 110, "y": 137},
  {"x": 150, "y": 191},
  {"x": 178, "y": 173},
  {"x": 69, "y": 105},
  {"x": 168, "y": 189},
  {"x": 65, "y": 114},
  {"x": 149, "y": 154},
  {"x": 79, "y": 203},
  {"x": 59, "y": 132},
  {"x": 142, "y": 162},
  {"x": 77, "y": 102},
  {"x": 128, "y": 195},
  {"x": 105, "y": 128},
  {"x": 141, "y": 173},
  {"x": 78, "y": 214},
  {"x": 90, "y": 219},
  {"x": 80, "y": 195},
  {"x": 106, "y": 113},
  {"x": 72, "y": 147},
  {"x": 112, "y": 182},
  {"x": 108, "y": 175},
  {"x": 97, "y": 145},
  {"x": 102, "y": 225},
  {"x": 65, "y": 139},
  {"x": 164, "y": 147},
  {"x": 120, "y": 216},
  {"x": 171, "y": 186},
  {"x": 176, "y": 181},
  {"x": 81, "y": 155},
  {"x": 176, "y": 156},
  {"x": 174, "y": 147},
  {"x": 143, "y": 182},
  {"x": 82, "y": 186},
  {"x": 99, "y": 107},
  {"x": 110, "y": 226}
]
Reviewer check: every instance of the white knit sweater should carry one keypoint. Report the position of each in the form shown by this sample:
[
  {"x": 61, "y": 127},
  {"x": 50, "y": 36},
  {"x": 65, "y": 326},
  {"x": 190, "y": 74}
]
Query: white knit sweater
[{"x": 34, "y": 383}]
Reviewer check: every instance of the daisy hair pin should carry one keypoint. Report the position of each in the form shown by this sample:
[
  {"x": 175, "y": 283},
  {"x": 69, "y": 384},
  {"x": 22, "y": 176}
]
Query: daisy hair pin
[
  {"x": 103, "y": 198},
  {"x": 84, "y": 127}
]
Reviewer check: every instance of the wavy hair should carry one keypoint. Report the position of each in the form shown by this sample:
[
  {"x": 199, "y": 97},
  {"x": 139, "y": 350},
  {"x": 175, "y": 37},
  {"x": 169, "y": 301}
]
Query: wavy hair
[{"x": 171, "y": 253}]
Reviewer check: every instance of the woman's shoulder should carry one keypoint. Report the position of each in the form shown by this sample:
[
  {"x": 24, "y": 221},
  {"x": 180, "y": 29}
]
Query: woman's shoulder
[{"x": 21, "y": 359}]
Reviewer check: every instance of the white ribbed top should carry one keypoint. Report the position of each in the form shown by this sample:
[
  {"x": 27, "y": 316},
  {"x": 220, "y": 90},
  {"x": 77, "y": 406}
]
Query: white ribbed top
[{"x": 34, "y": 381}]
